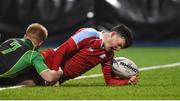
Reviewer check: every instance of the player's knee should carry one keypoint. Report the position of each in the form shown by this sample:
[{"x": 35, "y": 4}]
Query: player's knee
[{"x": 27, "y": 83}]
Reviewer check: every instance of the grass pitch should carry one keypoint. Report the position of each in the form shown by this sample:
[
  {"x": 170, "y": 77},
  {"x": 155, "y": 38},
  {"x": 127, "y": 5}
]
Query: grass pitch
[{"x": 159, "y": 84}]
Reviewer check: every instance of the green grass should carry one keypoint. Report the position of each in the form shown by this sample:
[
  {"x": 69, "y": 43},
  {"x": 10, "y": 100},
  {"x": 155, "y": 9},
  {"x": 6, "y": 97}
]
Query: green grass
[{"x": 161, "y": 84}]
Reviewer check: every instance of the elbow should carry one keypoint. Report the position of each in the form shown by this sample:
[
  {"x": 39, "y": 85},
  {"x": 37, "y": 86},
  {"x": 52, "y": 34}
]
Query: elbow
[{"x": 109, "y": 84}]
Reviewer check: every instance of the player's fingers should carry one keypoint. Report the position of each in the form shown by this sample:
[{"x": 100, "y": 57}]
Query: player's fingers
[
  {"x": 133, "y": 80},
  {"x": 56, "y": 83}
]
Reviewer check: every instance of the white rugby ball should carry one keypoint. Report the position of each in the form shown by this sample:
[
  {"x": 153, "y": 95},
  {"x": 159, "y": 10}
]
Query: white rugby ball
[{"x": 124, "y": 67}]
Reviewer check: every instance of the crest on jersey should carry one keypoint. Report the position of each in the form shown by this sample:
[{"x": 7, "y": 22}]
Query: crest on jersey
[
  {"x": 91, "y": 49},
  {"x": 103, "y": 56}
]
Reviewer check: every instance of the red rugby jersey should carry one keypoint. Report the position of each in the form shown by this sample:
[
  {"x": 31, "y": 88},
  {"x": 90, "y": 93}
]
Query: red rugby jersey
[{"x": 80, "y": 53}]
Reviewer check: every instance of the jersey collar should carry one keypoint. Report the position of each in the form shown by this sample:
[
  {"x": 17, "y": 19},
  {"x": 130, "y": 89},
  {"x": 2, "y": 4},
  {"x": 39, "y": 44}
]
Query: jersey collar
[
  {"x": 28, "y": 42},
  {"x": 101, "y": 37}
]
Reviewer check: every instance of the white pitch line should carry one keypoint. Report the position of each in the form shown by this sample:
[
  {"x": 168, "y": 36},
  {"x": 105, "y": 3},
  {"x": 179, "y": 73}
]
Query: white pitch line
[
  {"x": 88, "y": 76},
  {"x": 141, "y": 69},
  {"x": 12, "y": 87},
  {"x": 97, "y": 75},
  {"x": 160, "y": 66}
]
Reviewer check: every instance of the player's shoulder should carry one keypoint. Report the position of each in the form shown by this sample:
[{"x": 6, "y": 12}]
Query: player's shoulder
[
  {"x": 88, "y": 31},
  {"x": 11, "y": 39},
  {"x": 36, "y": 55},
  {"x": 85, "y": 34},
  {"x": 8, "y": 41}
]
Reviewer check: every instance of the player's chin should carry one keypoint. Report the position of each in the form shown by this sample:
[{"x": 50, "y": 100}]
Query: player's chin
[
  {"x": 114, "y": 49},
  {"x": 108, "y": 49},
  {"x": 111, "y": 49}
]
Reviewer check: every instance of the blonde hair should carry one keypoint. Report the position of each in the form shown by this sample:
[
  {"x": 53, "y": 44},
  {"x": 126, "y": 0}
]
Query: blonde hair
[{"x": 37, "y": 31}]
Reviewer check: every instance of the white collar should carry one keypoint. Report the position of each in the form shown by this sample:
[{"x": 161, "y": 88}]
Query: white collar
[{"x": 101, "y": 37}]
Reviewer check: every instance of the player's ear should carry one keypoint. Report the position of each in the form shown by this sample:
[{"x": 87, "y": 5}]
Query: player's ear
[
  {"x": 113, "y": 33},
  {"x": 40, "y": 43},
  {"x": 25, "y": 35}
]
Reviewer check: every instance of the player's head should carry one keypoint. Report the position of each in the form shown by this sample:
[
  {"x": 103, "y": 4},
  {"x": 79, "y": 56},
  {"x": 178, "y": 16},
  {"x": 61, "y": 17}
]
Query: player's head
[
  {"x": 124, "y": 32},
  {"x": 37, "y": 33},
  {"x": 120, "y": 37}
]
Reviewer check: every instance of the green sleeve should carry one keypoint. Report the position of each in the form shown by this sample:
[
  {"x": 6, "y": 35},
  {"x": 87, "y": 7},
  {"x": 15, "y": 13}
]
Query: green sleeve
[{"x": 38, "y": 62}]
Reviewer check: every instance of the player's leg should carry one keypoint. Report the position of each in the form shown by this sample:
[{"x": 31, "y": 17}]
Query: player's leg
[
  {"x": 4, "y": 81},
  {"x": 28, "y": 78}
]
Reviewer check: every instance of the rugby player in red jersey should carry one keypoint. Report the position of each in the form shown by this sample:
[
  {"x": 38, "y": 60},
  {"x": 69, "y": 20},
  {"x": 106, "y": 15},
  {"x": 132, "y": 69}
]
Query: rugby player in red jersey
[{"x": 88, "y": 48}]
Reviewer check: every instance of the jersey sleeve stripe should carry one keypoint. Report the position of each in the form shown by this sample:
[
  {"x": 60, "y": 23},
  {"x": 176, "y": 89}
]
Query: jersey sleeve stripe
[
  {"x": 84, "y": 34},
  {"x": 43, "y": 71}
]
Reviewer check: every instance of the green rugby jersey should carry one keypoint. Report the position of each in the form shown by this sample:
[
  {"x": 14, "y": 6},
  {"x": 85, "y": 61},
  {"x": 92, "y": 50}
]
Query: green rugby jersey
[{"x": 16, "y": 55}]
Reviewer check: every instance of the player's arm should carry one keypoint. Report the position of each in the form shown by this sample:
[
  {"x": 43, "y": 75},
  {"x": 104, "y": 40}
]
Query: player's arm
[
  {"x": 112, "y": 79},
  {"x": 63, "y": 50},
  {"x": 73, "y": 44},
  {"x": 42, "y": 69}
]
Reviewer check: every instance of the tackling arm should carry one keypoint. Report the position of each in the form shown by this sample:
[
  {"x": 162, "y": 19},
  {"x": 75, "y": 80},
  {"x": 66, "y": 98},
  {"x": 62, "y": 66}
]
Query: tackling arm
[{"x": 42, "y": 69}]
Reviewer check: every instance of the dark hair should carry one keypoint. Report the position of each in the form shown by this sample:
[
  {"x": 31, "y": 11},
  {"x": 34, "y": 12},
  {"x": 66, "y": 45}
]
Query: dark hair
[{"x": 124, "y": 32}]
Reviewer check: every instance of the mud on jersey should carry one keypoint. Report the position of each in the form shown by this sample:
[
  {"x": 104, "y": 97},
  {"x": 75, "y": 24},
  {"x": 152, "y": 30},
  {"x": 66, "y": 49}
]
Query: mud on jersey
[{"x": 17, "y": 55}]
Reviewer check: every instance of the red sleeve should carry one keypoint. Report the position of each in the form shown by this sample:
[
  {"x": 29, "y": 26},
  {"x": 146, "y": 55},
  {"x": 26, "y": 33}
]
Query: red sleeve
[
  {"x": 66, "y": 48},
  {"x": 109, "y": 77}
]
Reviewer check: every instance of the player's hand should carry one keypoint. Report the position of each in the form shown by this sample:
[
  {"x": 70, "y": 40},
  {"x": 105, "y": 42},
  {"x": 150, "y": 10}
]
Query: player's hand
[
  {"x": 133, "y": 80},
  {"x": 52, "y": 83}
]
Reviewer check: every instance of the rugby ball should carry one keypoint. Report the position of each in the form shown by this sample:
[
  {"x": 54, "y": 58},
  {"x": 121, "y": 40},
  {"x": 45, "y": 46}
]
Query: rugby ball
[{"x": 124, "y": 67}]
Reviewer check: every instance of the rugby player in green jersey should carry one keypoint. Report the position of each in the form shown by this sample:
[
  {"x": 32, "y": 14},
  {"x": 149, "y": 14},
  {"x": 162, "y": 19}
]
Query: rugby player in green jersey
[{"x": 19, "y": 54}]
